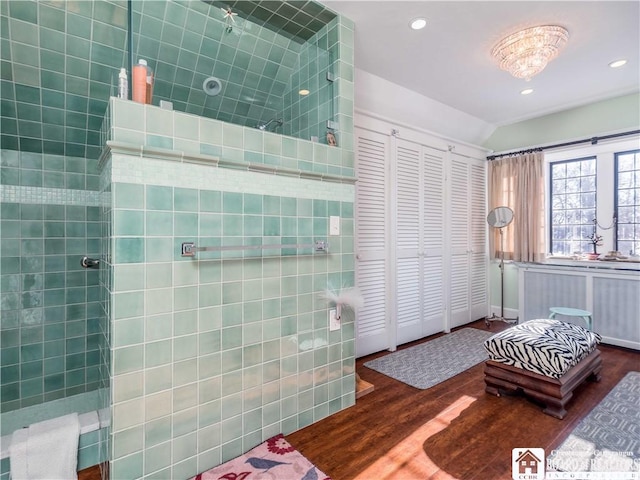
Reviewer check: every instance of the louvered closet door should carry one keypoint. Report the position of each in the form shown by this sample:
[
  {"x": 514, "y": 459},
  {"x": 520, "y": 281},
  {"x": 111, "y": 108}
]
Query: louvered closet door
[
  {"x": 408, "y": 213},
  {"x": 468, "y": 256},
  {"x": 479, "y": 260},
  {"x": 459, "y": 281},
  {"x": 433, "y": 241},
  {"x": 372, "y": 229}
]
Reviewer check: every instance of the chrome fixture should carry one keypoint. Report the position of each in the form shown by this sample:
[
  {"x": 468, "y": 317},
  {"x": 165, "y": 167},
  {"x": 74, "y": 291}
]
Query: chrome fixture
[
  {"x": 87, "y": 262},
  {"x": 278, "y": 122}
]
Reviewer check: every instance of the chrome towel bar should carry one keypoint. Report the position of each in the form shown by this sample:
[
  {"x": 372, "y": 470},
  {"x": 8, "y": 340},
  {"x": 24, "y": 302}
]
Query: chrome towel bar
[{"x": 189, "y": 249}]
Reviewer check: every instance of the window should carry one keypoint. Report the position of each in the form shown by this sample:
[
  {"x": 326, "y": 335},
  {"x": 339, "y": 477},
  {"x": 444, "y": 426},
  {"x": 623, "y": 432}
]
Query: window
[
  {"x": 573, "y": 205},
  {"x": 594, "y": 182},
  {"x": 627, "y": 165}
]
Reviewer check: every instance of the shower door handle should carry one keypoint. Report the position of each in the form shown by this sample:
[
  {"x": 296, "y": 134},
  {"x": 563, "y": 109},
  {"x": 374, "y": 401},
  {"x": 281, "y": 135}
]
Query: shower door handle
[{"x": 87, "y": 262}]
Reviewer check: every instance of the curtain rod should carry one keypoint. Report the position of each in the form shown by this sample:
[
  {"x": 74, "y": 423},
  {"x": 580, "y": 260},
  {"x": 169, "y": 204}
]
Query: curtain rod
[{"x": 592, "y": 140}]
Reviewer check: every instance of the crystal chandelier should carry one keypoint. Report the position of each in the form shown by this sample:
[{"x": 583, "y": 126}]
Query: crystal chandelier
[{"x": 526, "y": 53}]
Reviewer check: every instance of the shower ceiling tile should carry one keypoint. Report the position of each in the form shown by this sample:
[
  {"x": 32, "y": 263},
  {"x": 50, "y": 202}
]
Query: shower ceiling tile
[
  {"x": 52, "y": 40},
  {"x": 51, "y": 17},
  {"x": 78, "y": 26},
  {"x": 26, "y": 11},
  {"x": 52, "y": 61},
  {"x": 23, "y": 32}
]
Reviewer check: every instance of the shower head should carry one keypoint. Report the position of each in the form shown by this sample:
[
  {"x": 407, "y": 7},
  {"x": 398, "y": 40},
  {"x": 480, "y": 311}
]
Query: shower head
[{"x": 277, "y": 121}]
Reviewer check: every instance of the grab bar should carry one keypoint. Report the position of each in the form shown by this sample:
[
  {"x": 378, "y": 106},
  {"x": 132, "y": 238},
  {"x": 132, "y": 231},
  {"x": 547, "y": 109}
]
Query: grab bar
[{"x": 189, "y": 249}]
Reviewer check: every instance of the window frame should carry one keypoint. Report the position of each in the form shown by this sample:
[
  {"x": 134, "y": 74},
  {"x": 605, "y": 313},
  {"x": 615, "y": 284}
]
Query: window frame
[
  {"x": 604, "y": 151},
  {"x": 636, "y": 152},
  {"x": 550, "y": 164}
]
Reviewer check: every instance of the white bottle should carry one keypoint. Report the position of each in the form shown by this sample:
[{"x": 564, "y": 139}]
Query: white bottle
[{"x": 123, "y": 84}]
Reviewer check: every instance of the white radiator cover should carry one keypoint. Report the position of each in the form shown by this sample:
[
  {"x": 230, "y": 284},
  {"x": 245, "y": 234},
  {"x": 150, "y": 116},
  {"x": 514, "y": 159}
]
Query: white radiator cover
[{"x": 613, "y": 297}]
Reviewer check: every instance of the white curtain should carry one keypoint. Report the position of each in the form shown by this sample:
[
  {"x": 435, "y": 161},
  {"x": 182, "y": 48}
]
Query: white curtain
[{"x": 518, "y": 183}]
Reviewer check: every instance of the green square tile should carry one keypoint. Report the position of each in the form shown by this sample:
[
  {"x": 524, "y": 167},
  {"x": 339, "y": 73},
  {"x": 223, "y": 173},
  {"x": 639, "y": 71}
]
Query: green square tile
[
  {"x": 128, "y": 359},
  {"x": 129, "y": 250},
  {"x": 127, "y": 195},
  {"x": 158, "y": 223},
  {"x": 128, "y": 222},
  {"x": 158, "y": 379},
  {"x": 160, "y": 249},
  {"x": 128, "y": 332},
  {"x": 158, "y": 353},
  {"x": 210, "y": 201},
  {"x": 185, "y": 199}
]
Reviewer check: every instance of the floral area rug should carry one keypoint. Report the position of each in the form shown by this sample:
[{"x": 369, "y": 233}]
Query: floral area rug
[{"x": 274, "y": 459}]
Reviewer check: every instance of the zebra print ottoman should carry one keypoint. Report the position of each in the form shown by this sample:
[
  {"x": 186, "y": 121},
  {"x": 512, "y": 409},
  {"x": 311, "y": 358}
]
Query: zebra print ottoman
[{"x": 546, "y": 359}]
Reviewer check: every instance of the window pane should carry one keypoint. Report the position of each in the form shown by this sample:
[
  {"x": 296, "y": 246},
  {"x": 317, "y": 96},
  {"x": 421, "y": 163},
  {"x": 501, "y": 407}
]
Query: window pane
[
  {"x": 573, "y": 201},
  {"x": 628, "y": 202}
]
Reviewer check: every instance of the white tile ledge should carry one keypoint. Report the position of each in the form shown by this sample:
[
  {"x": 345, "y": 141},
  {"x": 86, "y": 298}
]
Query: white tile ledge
[
  {"x": 203, "y": 159},
  {"x": 89, "y": 422}
]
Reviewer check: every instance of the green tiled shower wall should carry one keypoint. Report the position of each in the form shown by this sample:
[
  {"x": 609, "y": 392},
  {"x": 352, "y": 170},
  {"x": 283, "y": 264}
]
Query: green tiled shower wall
[
  {"x": 60, "y": 62},
  {"x": 211, "y": 355},
  {"x": 52, "y": 321}
]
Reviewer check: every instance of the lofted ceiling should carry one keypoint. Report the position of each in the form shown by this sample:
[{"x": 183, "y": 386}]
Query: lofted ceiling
[{"x": 449, "y": 60}]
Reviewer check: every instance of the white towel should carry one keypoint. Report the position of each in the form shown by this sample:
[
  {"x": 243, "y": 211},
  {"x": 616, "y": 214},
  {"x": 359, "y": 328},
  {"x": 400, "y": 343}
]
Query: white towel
[{"x": 51, "y": 450}]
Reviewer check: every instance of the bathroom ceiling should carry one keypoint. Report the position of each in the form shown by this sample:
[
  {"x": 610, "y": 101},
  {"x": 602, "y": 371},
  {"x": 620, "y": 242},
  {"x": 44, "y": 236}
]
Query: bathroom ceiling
[{"x": 449, "y": 60}]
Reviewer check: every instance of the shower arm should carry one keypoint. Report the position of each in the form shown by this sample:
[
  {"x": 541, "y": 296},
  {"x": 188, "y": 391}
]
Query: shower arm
[{"x": 263, "y": 126}]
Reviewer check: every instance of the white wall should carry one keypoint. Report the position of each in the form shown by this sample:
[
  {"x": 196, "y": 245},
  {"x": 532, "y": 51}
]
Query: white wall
[{"x": 390, "y": 101}]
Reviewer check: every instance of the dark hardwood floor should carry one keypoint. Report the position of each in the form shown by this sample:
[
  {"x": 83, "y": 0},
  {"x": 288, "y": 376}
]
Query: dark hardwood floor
[
  {"x": 398, "y": 425},
  {"x": 452, "y": 430}
]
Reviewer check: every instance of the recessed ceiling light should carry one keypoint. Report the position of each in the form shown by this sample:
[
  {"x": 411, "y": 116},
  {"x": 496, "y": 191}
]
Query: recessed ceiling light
[
  {"x": 303, "y": 92},
  {"x": 526, "y": 91},
  {"x": 617, "y": 63},
  {"x": 418, "y": 23}
]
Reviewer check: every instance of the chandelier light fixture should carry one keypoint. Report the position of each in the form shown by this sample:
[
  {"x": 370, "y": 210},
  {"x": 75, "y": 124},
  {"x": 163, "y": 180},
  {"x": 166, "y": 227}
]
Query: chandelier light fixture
[{"x": 527, "y": 52}]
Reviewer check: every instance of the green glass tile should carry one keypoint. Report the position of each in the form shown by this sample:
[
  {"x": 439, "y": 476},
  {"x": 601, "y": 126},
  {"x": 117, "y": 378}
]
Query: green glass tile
[
  {"x": 127, "y": 467},
  {"x": 185, "y": 347},
  {"x": 128, "y": 359},
  {"x": 185, "y": 224},
  {"x": 160, "y": 249},
  {"x": 185, "y": 298},
  {"x": 159, "y": 223},
  {"x": 50, "y": 17},
  {"x": 185, "y": 199},
  {"x": 158, "y": 353},
  {"x": 232, "y": 225},
  {"x": 210, "y": 225},
  {"x": 128, "y": 222},
  {"x": 158, "y": 275},
  {"x": 128, "y": 195},
  {"x": 129, "y": 250}
]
